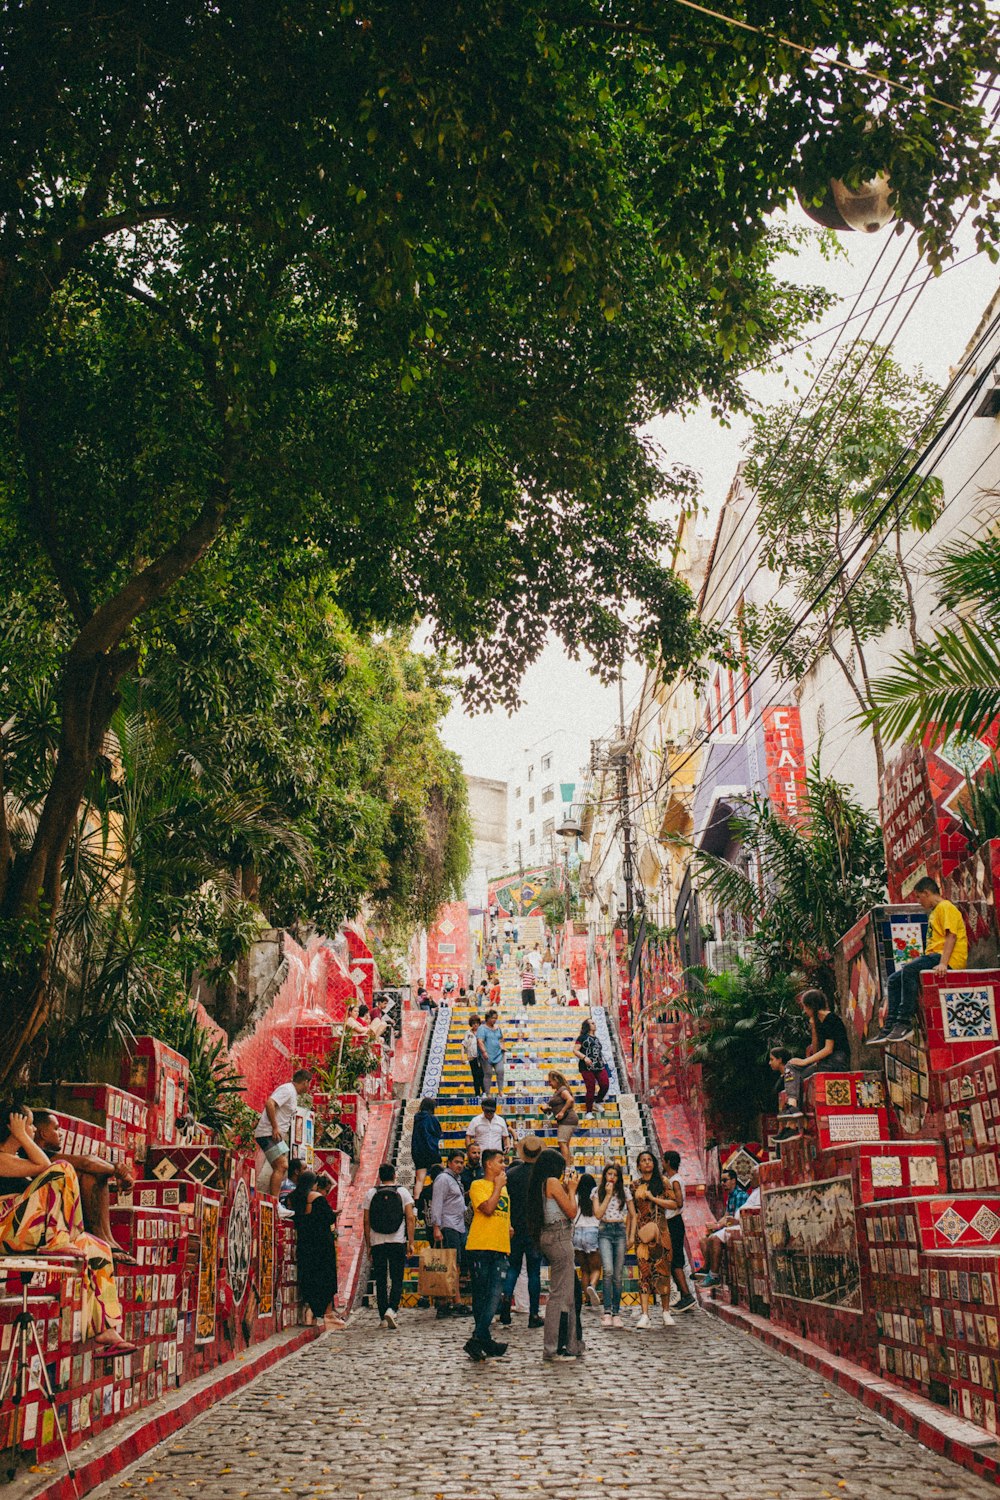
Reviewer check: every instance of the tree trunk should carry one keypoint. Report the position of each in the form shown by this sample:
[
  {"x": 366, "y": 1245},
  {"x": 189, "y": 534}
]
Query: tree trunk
[
  {"x": 89, "y": 699},
  {"x": 89, "y": 696}
]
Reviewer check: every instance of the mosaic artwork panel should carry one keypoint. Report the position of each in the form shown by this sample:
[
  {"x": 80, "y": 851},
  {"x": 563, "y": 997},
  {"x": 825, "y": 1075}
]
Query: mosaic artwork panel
[
  {"x": 811, "y": 1243},
  {"x": 239, "y": 1242},
  {"x": 838, "y": 1091},
  {"x": 853, "y": 1127},
  {"x": 908, "y": 1082},
  {"x": 968, "y": 1013},
  {"x": 265, "y": 1250},
  {"x": 887, "y": 1171},
  {"x": 208, "y": 1274},
  {"x": 924, "y": 1171},
  {"x": 907, "y": 940}
]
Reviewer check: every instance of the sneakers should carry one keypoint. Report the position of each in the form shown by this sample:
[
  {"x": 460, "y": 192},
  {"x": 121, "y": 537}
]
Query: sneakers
[
  {"x": 592, "y": 1297},
  {"x": 710, "y": 1280},
  {"x": 643, "y": 1321},
  {"x": 503, "y": 1312},
  {"x": 390, "y": 1319},
  {"x": 790, "y": 1114},
  {"x": 535, "y": 1321},
  {"x": 461, "y": 1311},
  {"x": 494, "y": 1350},
  {"x": 617, "y": 1323},
  {"x": 606, "y": 1321},
  {"x": 668, "y": 1321},
  {"x": 475, "y": 1351},
  {"x": 686, "y": 1303},
  {"x": 443, "y": 1312},
  {"x": 901, "y": 1032},
  {"x": 559, "y": 1359},
  {"x": 880, "y": 1037}
]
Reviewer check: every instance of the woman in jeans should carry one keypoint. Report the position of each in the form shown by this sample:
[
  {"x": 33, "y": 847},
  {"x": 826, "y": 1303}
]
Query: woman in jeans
[
  {"x": 551, "y": 1209},
  {"x": 614, "y": 1213}
]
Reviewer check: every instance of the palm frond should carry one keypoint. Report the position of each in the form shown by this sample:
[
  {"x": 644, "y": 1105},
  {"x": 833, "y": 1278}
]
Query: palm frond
[
  {"x": 972, "y": 572},
  {"x": 953, "y": 682}
]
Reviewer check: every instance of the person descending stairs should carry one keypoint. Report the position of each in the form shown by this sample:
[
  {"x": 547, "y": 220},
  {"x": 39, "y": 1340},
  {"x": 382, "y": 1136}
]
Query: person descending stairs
[{"x": 538, "y": 1041}]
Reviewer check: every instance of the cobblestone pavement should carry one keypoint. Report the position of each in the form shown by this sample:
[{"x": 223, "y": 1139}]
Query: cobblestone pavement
[{"x": 693, "y": 1412}]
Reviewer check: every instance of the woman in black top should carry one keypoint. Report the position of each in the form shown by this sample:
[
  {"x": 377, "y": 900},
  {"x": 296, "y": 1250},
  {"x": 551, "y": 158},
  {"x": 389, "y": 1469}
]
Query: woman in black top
[
  {"x": 831, "y": 1054},
  {"x": 316, "y": 1249}
]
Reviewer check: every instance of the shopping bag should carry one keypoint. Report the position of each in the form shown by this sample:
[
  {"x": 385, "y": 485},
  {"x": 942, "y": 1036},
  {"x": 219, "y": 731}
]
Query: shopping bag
[{"x": 437, "y": 1272}]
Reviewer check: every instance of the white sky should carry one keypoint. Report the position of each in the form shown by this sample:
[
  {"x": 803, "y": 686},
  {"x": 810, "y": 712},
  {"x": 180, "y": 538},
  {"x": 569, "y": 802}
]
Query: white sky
[{"x": 561, "y": 694}]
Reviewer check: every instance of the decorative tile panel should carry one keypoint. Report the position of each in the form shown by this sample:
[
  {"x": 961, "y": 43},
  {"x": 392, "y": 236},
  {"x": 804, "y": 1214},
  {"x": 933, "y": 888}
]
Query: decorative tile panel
[
  {"x": 985, "y": 1222},
  {"x": 924, "y": 1171},
  {"x": 856, "y": 1127},
  {"x": 951, "y": 1225},
  {"x": 838, "y": 1091},
  {"x": 968, "y": 1013},
  {"x": 887, "y": 1171}
]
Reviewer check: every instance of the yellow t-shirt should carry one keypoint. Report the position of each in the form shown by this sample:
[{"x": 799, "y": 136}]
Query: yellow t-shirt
[
  {"x": 489, "y": 1231},
  {"x": 946, "y": 918}
]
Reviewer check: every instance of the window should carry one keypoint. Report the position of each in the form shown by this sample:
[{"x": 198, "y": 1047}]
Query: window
[
  {"x": 531, "y": 837},
  {"x": 517, "y": 825},
  {"x": 531, "y": 773},
  {"x": 531, "y": 804},
  {"x": 548, "y": 828},
  {"x": 517, "y": 792},
  {"x": 546, "y": 763},
  {"x": 548, "y": 794}
]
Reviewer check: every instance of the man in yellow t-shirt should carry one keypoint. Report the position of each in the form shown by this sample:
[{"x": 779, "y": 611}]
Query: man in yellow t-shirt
[
  {"x": 487, "y": 1250},
  {"x": 947, "y": 948}
]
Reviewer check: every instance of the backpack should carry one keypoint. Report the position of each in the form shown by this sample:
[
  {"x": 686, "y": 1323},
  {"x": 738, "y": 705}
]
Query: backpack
[{"x": 385, "y": 1212}]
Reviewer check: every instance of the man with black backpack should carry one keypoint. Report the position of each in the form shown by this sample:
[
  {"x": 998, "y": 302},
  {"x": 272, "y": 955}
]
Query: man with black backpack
[{"x": 390, "y": 1227}]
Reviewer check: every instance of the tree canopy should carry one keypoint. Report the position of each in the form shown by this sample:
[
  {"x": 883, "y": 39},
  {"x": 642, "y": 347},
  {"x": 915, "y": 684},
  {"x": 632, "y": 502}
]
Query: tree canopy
[{"x": 402, "y": 285}]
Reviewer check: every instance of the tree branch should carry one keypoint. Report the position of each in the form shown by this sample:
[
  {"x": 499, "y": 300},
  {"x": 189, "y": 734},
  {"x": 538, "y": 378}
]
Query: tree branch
[
  {"x": 109, "y": 622},
  {"x": 43, "y": 516}
]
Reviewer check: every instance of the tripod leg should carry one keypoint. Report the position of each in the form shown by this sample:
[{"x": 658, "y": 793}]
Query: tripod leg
[
  {"x": 50, "y": 1394},
  {"x": 7, "y": 1379}
]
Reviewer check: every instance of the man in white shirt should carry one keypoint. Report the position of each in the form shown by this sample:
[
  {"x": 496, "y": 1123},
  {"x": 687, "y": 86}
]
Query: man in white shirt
[
  {"x": 390, "y": 1230},
  {"x": 488, "y": 1129},
  {"x": 275, "y": 1123}
]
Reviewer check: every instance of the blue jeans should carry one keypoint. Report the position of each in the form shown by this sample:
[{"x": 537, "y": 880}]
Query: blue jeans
[
  {"x": 904, "y": 988},
  {"x": 523, "y": 1248},
  {"x": 611, "y": 1243},
  {"x": 488, "y": 1269}
]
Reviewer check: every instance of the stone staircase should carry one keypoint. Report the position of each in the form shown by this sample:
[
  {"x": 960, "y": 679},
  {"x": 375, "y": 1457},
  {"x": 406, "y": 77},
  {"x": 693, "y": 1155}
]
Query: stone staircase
[{"x": 538, "y": 1039}]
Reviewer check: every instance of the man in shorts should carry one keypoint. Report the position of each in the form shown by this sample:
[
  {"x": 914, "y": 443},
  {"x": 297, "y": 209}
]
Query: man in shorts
[{"x": 275, "y": 1122}]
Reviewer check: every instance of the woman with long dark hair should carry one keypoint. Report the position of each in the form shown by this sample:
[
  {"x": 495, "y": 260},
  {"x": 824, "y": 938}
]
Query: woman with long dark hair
[
  {"x": 315, "y": 1249},
  {"x": 653, "y": 1250},
  {"x": 586, "y": 1229},
  {"x": 829, "y": 1051},
  {"x": 551, "y": 1209},
  {"x": 616, "y": 1228}
]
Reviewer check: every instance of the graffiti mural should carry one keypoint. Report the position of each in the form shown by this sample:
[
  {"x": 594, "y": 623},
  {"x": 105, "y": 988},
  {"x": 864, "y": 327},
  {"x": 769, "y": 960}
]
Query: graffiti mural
[{"x": 812, "y": 1245}]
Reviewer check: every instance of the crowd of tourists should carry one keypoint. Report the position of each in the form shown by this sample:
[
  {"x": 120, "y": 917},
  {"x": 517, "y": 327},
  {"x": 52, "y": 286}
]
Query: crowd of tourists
[{"x": 502, "y": 1211}]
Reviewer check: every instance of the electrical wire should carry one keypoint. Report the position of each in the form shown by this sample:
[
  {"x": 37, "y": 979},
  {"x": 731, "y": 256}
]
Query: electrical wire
[{"x": 959, "y": 412}]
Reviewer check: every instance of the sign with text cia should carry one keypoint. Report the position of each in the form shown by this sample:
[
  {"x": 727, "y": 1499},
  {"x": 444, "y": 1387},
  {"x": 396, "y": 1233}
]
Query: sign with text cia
[{"x": 785, "y": 759}]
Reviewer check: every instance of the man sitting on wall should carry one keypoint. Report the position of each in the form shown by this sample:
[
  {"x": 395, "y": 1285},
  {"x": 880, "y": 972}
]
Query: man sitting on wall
[
  {"x": 95, "y": 1174},
  {"x": 737, "y": 1200},
  {"x": 947, "y": 948}
]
